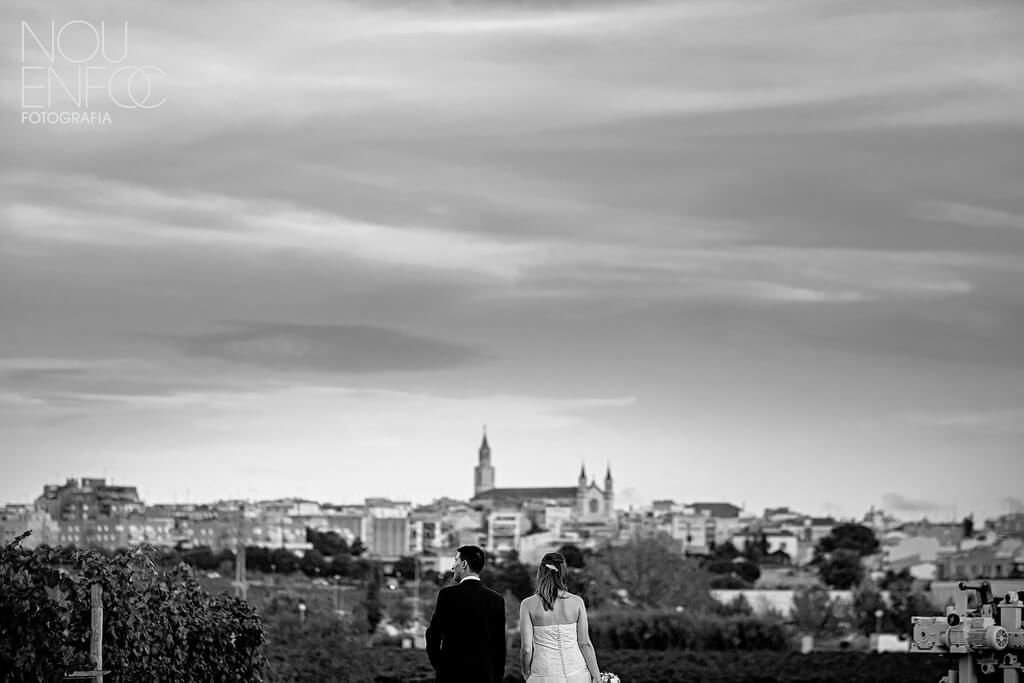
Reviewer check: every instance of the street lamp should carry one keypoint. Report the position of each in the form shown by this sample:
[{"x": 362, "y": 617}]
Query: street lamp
[
  {"x": 878, "y": 620},
  {"x": 416, "y": 589}
]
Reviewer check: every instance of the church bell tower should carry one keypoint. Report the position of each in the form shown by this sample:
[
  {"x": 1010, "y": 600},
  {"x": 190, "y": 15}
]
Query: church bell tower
[
  {"x": 609, "y": 492},
  {"x": 483, "y": 473}
]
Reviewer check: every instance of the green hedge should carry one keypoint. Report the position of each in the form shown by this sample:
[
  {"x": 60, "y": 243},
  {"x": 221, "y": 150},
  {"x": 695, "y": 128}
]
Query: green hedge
[
  {"x": 156, "y": 625},
  {"x": 645, "y": 666},
  {"x": 685, "y": 631},
  {"x": 327, "y": 651},
  {"x": 334, "y": 655}
]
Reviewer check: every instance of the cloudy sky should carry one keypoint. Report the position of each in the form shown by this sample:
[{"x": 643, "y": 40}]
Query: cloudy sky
[{"x": 770, "y": 253}]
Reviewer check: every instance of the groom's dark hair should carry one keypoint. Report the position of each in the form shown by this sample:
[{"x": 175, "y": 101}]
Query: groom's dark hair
[{"x": 473, "y": 556}]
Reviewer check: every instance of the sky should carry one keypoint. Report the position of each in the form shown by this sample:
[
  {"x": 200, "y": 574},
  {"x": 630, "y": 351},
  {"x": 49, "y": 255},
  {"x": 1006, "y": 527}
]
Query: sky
[{"x": 768, "y": 253}]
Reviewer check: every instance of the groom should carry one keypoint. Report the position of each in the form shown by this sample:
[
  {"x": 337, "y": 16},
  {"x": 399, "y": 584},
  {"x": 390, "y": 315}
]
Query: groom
[{"x": 466, "y": 636}]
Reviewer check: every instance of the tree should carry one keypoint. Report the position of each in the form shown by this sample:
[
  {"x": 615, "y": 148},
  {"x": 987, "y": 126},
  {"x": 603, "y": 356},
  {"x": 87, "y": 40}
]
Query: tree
[
  {"x": 165, "y": 557},
  {"x": 313, "y": 563},
  {"x": 573, "y": 556},
  {"x": 652, "y": 573},
  {"x": 341, "y": 565},
  {"x": 357, "y": 548},
  {"x": 855, "y": 537},
  {"x": 200, "y": 557},
  {"x": 906, "y": 601},
  {"x": 225, "y": 560},
  {"x": 841, "y": 569},
  {"x": 747, "y": 571},
  {"x": 814, "y": 613},
  {"x": 511, "y": 577},
  {"x": 725, "y": 551},
  {"x": 512, "y": 604},
  {"x": 738, "y": 606},
  {"x": 405, "y": 567},
  {"x": 397, "y": 606},
  {"x": 968, "y": 526},
  {"x": 257, "y": 558},
  {"x": 329, "y": 543},
  {"x": 756, "y": 548},
  {"x": 371, "y": 604},
  {"x": 867, "y": 601},
  {"x": 579, "y": 582},
  {"x": 283, "y": 561},
  {"x": 728, "y": 582},
  {"x": 362, "y": 568}
]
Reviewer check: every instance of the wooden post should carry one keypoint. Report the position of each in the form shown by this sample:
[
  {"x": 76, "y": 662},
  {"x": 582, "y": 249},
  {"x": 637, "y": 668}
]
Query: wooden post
[
  {"x": 96, "y": 639},
  {"x": 241, "y": 583},
  {"x": 96, "y": 642}
]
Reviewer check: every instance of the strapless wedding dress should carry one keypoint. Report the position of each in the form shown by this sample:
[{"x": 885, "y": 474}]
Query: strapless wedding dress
[{"x": 556, "y": 656}]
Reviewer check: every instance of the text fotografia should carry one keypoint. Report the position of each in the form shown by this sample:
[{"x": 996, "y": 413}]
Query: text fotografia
[
  {"x": 91, "y": 118},
  {"x": 72, "y": 73}
]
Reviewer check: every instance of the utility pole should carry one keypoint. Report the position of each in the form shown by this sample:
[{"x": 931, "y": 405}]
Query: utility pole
[
  {"x": 416, "y": 587},
  {"x": 241, "y": 583}
]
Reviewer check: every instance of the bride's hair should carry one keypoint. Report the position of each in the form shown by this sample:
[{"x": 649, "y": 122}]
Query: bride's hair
[{"x": 551, "y": 578}]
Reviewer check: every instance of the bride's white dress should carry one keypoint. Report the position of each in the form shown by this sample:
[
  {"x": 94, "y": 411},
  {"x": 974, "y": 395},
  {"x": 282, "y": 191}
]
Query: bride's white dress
[{"x": 556, "y": 656}]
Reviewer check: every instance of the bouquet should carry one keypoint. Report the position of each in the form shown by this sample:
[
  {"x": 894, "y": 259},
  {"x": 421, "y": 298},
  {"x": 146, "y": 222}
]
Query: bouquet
[{"x": 609, "y": 677}]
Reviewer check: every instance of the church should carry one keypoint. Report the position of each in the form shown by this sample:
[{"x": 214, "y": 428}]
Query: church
[{"x": 587, "y": 501}]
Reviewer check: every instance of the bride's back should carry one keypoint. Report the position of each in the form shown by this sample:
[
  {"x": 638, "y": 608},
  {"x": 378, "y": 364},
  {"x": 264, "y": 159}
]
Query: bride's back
[{"x": 565, "y": 610}]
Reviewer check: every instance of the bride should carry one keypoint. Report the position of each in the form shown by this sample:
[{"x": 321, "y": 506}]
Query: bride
[{"x": 555, "y": 633}]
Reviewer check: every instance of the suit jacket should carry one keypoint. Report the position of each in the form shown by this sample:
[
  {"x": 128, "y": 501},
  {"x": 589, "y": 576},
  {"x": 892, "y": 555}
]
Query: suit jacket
[{"x": 466, "y": 636}]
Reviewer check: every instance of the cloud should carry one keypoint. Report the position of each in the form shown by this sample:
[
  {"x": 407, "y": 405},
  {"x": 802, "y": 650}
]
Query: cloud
[
  {"x": 123, "y": 215},
  {"x": 30, "y": 369},
  {"x": 630, "y": 496},
  {"x": 896, "y": 502},
  {"x": 1013, "y": 504},
  {"x": 700, "y": 258},
  {"x": 586, "y": 184},
  {"x": 1000, "y": 421},
  {"x": 754, "y": 273},
  {"x": 329, "y": 348},
  {"x": 968, "y": 215}
]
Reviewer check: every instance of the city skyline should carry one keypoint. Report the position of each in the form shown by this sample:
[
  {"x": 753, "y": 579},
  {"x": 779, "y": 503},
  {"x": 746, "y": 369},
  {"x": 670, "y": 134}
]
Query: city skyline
[
  {"x": 768, "y": 255},
  {"x": 952, "y": 514}
]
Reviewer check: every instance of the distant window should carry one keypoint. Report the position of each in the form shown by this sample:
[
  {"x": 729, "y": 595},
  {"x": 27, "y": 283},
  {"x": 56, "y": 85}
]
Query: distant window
[{"x": 594, "y": 505}]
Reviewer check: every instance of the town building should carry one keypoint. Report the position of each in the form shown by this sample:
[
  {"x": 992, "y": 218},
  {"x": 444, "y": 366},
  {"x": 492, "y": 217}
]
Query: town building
[
  {"x": 1000, "y": 560},
  {"x": 88, "y": 499},
  {"x": 1010, "y": 525},
  {"x": 589, "y": 502}
]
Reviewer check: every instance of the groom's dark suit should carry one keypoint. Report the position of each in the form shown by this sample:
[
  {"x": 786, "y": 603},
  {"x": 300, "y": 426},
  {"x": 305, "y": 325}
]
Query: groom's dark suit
[{"x": 466, "y": 636}]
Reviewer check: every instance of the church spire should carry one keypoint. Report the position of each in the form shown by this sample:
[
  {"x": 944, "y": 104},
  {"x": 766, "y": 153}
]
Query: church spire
[
  {"x": 483, "y": 473},
  {"x": 485, "y": 448}
]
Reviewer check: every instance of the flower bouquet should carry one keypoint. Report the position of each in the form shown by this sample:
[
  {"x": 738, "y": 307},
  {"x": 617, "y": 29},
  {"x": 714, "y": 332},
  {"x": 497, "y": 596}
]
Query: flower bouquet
[{"x": 609, "y": 677}]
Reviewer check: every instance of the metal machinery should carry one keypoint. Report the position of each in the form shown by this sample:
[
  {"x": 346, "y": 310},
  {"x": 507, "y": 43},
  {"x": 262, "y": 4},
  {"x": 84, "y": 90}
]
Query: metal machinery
[{"x": 983, "y": 641}]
